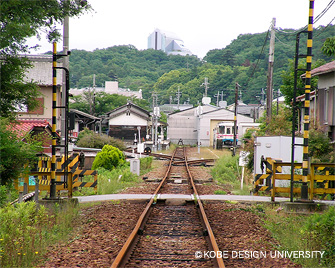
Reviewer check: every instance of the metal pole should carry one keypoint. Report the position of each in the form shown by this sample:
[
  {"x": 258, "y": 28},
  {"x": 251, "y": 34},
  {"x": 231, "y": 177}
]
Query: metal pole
[
  {"x": 305, "y": 162},
  {"x": 235, "y": 118},
  {"x": 54, "y": 136},
  {"x": 294, "y": 107}
]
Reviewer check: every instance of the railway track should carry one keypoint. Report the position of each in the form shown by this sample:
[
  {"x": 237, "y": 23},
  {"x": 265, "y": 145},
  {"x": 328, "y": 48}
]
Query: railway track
[{"x": 171, "y": 234}]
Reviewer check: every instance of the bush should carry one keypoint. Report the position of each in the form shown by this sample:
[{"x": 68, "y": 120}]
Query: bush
[
  {"x": 109, "y": 158},
  {"x": 7, "y": 194},
  {"x": 319, "y": 145},
  {"x": 89, "y": 139}
]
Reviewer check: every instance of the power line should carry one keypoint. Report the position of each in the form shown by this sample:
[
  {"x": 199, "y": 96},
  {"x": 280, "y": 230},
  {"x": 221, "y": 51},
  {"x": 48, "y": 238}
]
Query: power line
[
  {"x": 318, "y": 17},
  {"x": 259, "y": 58}
]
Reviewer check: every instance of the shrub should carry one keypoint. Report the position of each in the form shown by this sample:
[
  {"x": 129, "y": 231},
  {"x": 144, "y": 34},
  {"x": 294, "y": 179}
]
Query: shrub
[
  {"x": 109, "y": 158},
  {"x": 319, "y": 145},
  {"x": 89, "y": 139}
]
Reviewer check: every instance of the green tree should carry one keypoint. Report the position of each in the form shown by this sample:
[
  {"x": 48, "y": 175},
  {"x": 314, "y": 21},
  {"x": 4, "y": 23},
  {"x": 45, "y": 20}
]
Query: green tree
[
  {"x": 15, "y": 154},
  {"x": 109, "y": 158},
  {"x": 288, "y": 80},
  {"x": 328, "y": 47},
  {"x": 19, "y": 21}
]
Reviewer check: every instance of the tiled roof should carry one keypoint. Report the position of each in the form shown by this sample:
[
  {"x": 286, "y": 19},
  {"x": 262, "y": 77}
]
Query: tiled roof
[
  {"x": 25, "y": 126},
  {"x": 326, "y": 68}
]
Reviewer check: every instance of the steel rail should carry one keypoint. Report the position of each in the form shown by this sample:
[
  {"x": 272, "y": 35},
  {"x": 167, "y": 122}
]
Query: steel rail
[
  {"x": 120, "y": 258},
  {"x": 132, "y": 239},
  {"x": 212, "y": 239}
]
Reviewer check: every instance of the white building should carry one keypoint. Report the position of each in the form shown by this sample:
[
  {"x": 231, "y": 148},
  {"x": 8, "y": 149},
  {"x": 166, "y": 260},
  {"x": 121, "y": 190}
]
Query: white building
[
  {"x": 197, "y": 124},
  {"x": 168, "y": 42},
  {"x": 111, "y": 87}
]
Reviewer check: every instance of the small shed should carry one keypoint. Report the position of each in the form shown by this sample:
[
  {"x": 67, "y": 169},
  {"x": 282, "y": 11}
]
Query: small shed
[
  {"x": 127, "y": 121},
  {"x": 82, "y": 120}
]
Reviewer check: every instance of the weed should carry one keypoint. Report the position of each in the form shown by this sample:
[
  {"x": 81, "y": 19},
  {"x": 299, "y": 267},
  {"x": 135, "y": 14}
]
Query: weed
[
  {"x": 304, "y": 233},
  {"x": 220, "y": 192},
  {"x": 26, "y": 230}
]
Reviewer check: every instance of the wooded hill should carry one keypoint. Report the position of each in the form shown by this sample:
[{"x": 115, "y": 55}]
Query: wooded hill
[{"x": 245, "y": 61}]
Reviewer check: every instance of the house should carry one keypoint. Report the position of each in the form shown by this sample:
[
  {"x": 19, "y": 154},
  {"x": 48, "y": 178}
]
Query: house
[
  {"x": 198, "y": 124},
  {"x": 41, "y": 73},
  {"x": 34, "y": 127},
  {"x": 125, "y": 122},
  {"x": 322, "y": 100},
  {"x": 83, "y": 120},
  {"x": 252, "y": 110}
]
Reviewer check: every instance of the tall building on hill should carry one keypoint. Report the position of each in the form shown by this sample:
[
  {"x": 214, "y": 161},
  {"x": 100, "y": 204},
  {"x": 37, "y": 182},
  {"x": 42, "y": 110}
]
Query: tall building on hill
[{"x": 168, "y": 42}]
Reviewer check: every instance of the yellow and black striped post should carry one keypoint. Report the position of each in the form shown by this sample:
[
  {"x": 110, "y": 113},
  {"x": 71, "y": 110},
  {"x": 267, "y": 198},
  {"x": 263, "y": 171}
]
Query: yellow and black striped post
[
  {"x": 305, "y": 163},
  {"x": 54, "y": 114}
]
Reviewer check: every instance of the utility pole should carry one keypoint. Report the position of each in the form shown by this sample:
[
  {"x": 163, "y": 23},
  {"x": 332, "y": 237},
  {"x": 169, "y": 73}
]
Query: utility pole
[
  {"x": 235, "y": 118},
  {"x": 65, "y": 65},
  {"x": 178, "y": 94},
  {"x": 93, "y": 94},
  {"x": 270, "y": 72},
  {"x": 206, "y": 85}
]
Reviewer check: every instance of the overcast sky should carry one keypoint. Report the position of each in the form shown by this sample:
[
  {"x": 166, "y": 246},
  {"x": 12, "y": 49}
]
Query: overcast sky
[{"x": 202, "y": 25}]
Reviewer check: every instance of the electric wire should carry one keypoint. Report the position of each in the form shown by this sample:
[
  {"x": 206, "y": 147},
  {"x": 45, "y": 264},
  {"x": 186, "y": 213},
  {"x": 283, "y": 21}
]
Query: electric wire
[
  {"x": 317, "y": 18},
  {"x": 258, "y": 60}
]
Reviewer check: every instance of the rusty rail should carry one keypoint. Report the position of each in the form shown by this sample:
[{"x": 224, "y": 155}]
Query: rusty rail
[
  {"x": 125, "y": 252},
  {"x": 211, "y": 236}
]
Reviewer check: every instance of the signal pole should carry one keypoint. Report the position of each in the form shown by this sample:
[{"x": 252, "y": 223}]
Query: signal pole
[
  {"x": 235, "y": 118},
  {"x": 305, "y": 162},
  {"x": 269, "y": 94}
]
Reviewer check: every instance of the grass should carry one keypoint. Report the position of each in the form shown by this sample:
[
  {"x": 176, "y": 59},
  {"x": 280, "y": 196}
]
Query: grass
[
  {"x": 304, "y": 233},
  {"x": 113, "y": 181},
  {"x": 26, "y": 230}
]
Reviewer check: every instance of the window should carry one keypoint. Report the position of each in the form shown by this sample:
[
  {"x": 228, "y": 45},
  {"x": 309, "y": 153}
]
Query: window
[
  {"x": 222, "y": 129},
  {"x": 39, "y": 109},
  {"x": 228, "y": 130}
]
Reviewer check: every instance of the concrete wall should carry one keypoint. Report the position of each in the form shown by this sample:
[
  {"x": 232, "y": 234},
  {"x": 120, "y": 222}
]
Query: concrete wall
[
  {"x": 128, "y": 120},
  {"x": 184, "y": 124}
]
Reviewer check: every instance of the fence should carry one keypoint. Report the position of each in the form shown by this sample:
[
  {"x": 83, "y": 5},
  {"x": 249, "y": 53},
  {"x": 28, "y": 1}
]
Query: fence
[
  {"x": 69, "y": 169},
  {"x": 320, "y": 181}
]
